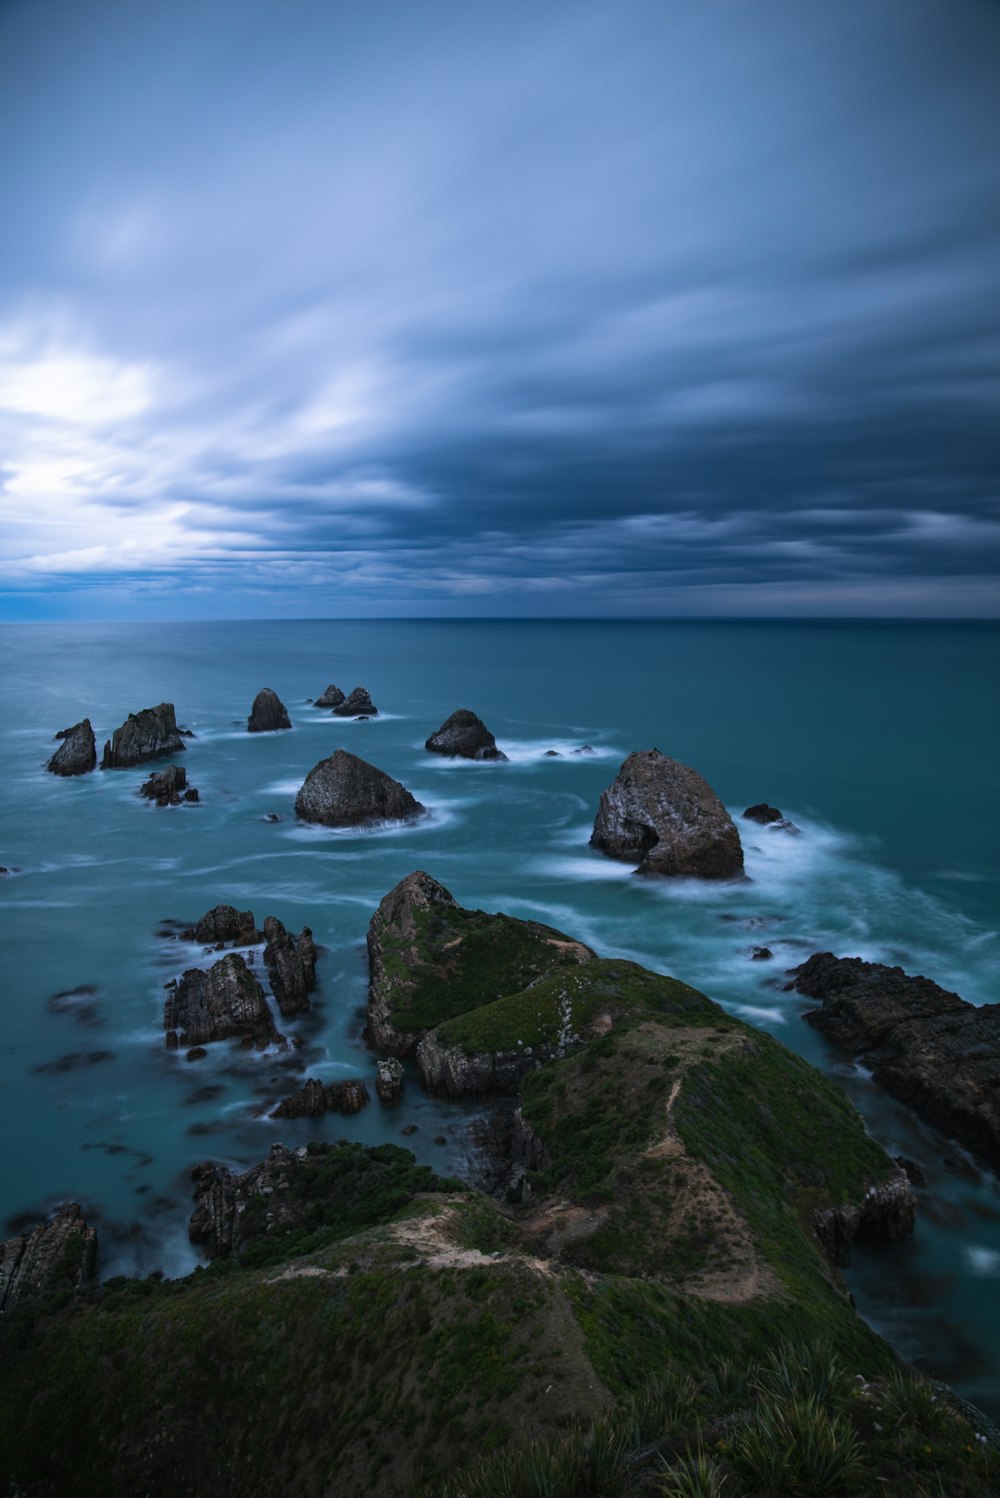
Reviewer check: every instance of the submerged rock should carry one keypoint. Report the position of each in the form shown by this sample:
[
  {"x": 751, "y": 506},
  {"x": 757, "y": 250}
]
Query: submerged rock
[
  {"x": 291, "y": 963},
  {"x": 59, "y": 1254},
  {"x": 315, "y": 1098},
  {"x": 224, "y": 1003},
  {"x": 345, "y": 791},
  {"x": 358, "y": 703},
  {"x": 464, "y": 736},
  {"x": 149, "y": 734},
  {"x": 924, "y": 1044},
  {"x": 389, "y": 1082},
  {"x": 223, "y": 923},
  {"x": 769, "y": 816},
  {"x": 77, "y": 754},
  {"x": 665, "y": 817},
  {"x": 165, "y": 787},
  {"x": 332, "y": 697},
  {"x": 268, "y": 713}
]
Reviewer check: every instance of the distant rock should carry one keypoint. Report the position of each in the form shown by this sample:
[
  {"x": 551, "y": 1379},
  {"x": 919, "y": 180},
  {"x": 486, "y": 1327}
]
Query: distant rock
[
  {"x": 60, "y": 1254},
  {"x": 315, "y": 1098},
  {"x": 146, "y": 735},
  {"x": 345, "y": 791},
  {"x": 168, "y": 787},
  {"x": 665, "y": 817},
  {"x": 585, "y": 749},
  {"x": 761, "y": 954},
  {"x": 332, "y": 697},
  {"x": 269, "y": 816},
  {"x": 77, "y": 754},
  {"x": 268, "y": 713},
  {"x": 389, "y": 1082},
  {"x": 465, "y": 736},
  {"x": 358, "y": 703},
  {"x": 924, "y": 1044},
  {"x": 552, "y": 754},
  {"x": 224, "y": 923},
  {"x": 769, "y": 816},
  {"x": 224, "y": 1003},
  {"x": 291, "y": 963}
]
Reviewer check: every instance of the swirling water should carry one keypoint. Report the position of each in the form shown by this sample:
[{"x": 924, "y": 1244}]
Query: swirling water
[{"x": 878, "y": 740}]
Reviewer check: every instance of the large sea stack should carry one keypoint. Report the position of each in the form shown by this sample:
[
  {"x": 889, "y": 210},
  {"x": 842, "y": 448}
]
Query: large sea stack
[
  {"x": 666, "y": 818},
  {"x": 77, "y": 754},
  {"x": 464, "y": 736},
  {"x": 224, "y": 1003},
  {"x": 345, "y": 791},
  {"x": 331, "y": 698},
  {"x": 358, "y": 705},
  {"x": 149, "y": 734},
  {"x": 268, "y": 713}
]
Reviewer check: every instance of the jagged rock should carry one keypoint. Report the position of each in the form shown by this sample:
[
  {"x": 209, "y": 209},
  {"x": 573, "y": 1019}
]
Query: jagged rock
[
  {"x": 315, "y": 1098},
  {"x": 357, "y": 703},
  {"x": 77, "y": 754},
  {"x": 389, "y": 1082},
  {"x": 507, "y": 1148},
  {"x": 665, "y": 817},
  {"x": 449, "y": 1071},
  {"x": 345, "y": 791},
  {"x": 146, "y": 735},
  {"x": 224, "y": 1003},
  {"x": 585, "y": 749},
  {"x": 761, "y": 954},
  {"x": 769, "y": 816},
  {"x": 55, "y": 1255},
  {"x": 268, "y": 713},
  {"x": 924, "y": 1044},
  {"x": 887, "y": 1212},
  {"x": 464, "y": 736},
  {"x": 165, "y": 786},
  {"x": 191, "y": 794},
  {"x": 332, "y": 697},
  {"x": 225, "y": 923},
  {"x": 291, "y": 963}
]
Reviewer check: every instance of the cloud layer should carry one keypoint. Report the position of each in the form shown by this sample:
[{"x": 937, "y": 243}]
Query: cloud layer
[{"x": 382, "y": 309}]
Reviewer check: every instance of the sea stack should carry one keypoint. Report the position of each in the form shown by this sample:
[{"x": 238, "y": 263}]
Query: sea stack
[
  {"x": 666, "y": 818},
  {"x": 465, "y": 736},
  {"x": 149, "y": 734},
  {"x": 332, "y": 697},
  {"x": 345, "y": 791},
  {"x": 77, "y": 754},
  {"x": 358, "y": 705},
  {"x": 268, "y": 713}
]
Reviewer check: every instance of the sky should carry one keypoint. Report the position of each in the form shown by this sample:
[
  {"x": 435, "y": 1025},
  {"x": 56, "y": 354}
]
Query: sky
[{"x": 652, "y": 308}]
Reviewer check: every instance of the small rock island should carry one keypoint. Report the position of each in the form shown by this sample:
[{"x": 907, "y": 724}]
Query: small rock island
[
  {"x": 268, "y": 713},
  {"x": 77, "y": 754},
  {"x": 465, "y": 736},
  {"x": 666, "y": 818},
  {"x": 149, "y": 734},
  {"x": 345, "y": 791}
]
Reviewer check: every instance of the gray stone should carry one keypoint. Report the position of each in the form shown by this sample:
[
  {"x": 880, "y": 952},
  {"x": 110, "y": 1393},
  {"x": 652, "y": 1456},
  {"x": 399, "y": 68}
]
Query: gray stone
[
  {"x": 666, "y": 818},
  {"x": 268, "y": 713},
  {"x": 345, "y": 791},
  {"x": 464, "y": 736},
  {"x": 149, "y": 734},
  {"x": 77, "y": 754}
]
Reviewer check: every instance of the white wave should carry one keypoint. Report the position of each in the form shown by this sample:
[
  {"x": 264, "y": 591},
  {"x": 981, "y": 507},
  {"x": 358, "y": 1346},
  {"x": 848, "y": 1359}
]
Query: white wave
[
  {"x": 597, "y": 867},
  {"x": 438, "y": 815},
  {"x": 282, "y": 787},
  {"x": 324, "y": 715},
  {"x": 982, "y": 1262},
  {"x": 756, "y": 1014},
  {"x": 522, "y": 752}
]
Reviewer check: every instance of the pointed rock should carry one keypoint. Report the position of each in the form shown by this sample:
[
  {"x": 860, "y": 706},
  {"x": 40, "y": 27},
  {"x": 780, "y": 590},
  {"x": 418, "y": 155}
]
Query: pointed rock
[
  {"x": 332, "y": 697},
  {"x": 358, "y": 704},
  {"x": 291, "y": 963},
  {"x": 149, "y": 734},
  {"x": 465, "y": 736},
  {"x": 666, "y": 818},
  {"x": 224, "y": 1003},
  {"x": 345, "y": 791},
  {"x": 77, "y": 754},
  {"x": 268, "y": 713}
]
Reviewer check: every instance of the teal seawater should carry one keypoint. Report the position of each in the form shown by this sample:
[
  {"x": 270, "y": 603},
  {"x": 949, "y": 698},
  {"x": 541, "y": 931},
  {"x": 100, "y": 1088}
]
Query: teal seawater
[{"x": 878, "y": 740}]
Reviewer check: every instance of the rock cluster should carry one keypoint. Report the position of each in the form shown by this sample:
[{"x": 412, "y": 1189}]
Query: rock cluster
[
  {"x": 224, "y": 1003},
  {"x": 331, "y": 698},
  {"x": 291, "y": 963},
  {"x": 345, "y": 791},
  {"x": 924, "y": 1044},
  {"x": 464, "y": 736},
  {"x": 168, "y": 787},
  {"x": 665, "y": 817},
  {"x": 268, "y": 713},
  {"x": 357, "y": 705},
  {"x": 225, "y": 924},
  {"x": 77, "y": 754},
  {"x": 56, "y": 1255},
  {"x": 315, "y": 1098},
  {"x": 149, "y": 734}
]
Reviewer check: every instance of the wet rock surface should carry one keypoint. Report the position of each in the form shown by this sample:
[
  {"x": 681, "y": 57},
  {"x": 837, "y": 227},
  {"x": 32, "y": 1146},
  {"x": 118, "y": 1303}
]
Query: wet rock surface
[
  {"x": 149, "y": 734},
  {"x": 291, "y": 964},
  {"x": 168, "y": 787},
  {"x": 77, "y": 754},
  {"x": 666, "y": 818},
  {"x": 331, "y": 698},
  {"x": 357, "y": 704},
  {"x": 268, "y": 713},
  {"x": 769, "y": 816},
  {"x": 227, "y": 924},
  {"x": 924, "y": 1044},
  {"x": 465, "y": 736},
  {"x": 345, "y": 791},
  {"x": 224, "y": 1003},
  {"x": 389, "y": 1081},
  {"x": 314, "y": 1098},
  {"x": 59, "y": 1254}
]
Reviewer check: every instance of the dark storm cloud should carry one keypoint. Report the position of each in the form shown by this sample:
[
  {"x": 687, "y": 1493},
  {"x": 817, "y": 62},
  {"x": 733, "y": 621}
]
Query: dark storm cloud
[{"x": 646, "y": 308}]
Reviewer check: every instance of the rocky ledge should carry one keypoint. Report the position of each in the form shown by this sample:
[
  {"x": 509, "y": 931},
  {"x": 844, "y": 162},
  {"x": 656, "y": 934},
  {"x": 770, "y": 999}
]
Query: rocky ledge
[
  {"x": 268, "y": 713},
  {"x": 224, "y": 1003},
  {"x": 314, "y": 1098},
  {"x": 224, "y": 923},
  {"x": 331, "y": 698},
  {"x": 927, "y": 1046},
  {"x": 60, "y": 1254},
  {"x": 149, "y": 734},
  {"x": 77, "y": 754},
  {"x": 345, "y": 791},
  {"x": 358, "y": 705},
  {"x": 168, "y": 787},
  {"x": 666, "y": 818},
  {"x": 465, "y": 736}
]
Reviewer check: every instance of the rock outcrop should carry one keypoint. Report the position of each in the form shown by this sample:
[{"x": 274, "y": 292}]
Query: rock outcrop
[
  {"x": 224, "y": 923},
  {"x": 291, "y": 963},
  {"x": 60, "y": 1254},
  {"x": 332, "y": 697},
  {"x": 887, "y": 1213},
  {"x": 357, "y": 705},
  {"x": 389, "y": 1082},
  {"x": 666, "y": 818},
  {"x": 464, "y": 736},
  {"x": 168, "y": 787},
  {"x": 224, "y": 1003},
  {"x": 149, "y": 734},
  {"x": 77, "y": 754},
  {"x": 924, "y": 1044},
  {"x": 315, "y": 1098},
  {"x": 268, "y": 713},
  {"x": 345, "y": 791}
]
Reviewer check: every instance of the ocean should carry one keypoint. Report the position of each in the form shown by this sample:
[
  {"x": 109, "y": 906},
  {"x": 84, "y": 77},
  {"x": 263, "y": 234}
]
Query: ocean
[{"x": 878, "y": 740}]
